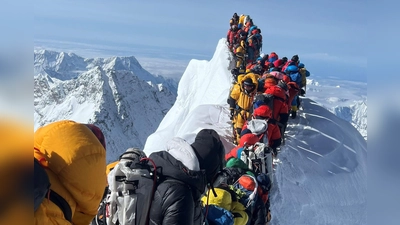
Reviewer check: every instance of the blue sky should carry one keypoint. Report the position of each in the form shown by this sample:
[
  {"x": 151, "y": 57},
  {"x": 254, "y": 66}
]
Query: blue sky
[{"x": 329, "y": 36}]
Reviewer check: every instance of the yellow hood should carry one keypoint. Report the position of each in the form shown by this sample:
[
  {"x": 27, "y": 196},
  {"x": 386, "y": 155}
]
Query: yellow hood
[{"x": 76, "y": 164}]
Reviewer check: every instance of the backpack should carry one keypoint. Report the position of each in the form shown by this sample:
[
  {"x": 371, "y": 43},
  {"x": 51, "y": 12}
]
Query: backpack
[
  {"x": 254, "y": 27},
  {"x": 258, "y": 158},
  {"x": 264, "y": 99},
  {"x": 218, "y": 216},
  {"x": 228, "y": 176},
  {"x": 41, "y": 189},
  {"x": 132, "y": 184},
  {"x": 254, "y": 41},
  {"x": 243, "y": 190},
  {"x": 224, "y": 208},
  {"x": 296, "y": 77}
]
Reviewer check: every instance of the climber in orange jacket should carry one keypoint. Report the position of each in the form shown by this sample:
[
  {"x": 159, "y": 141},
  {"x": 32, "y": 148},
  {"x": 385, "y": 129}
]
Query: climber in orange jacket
[{"x": 259, "y": 125}]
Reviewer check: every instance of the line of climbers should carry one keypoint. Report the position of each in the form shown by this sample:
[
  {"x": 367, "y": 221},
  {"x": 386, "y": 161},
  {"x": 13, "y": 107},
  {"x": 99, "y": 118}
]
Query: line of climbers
[
  {"x": 262, "y": 80},
  {"x": 186, "y": 183},
  {"x": 244, "y": 39},
  {"x": 264, "y": 94}
]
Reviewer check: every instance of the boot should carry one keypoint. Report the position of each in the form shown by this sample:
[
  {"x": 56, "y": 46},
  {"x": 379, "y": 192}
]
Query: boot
[{"x": 293, "y": 114}]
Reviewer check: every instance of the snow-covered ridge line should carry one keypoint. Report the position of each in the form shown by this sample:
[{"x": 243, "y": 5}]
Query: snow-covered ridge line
[
  {"x": 117, "y": 94},
  {"x": 66, "y": 66}
]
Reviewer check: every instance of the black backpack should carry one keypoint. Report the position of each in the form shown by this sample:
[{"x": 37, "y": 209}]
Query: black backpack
[
  {"x": 228, "y": 176},
  {"x": 41, "y": 190},
  {"x": 264, "y": 99}
]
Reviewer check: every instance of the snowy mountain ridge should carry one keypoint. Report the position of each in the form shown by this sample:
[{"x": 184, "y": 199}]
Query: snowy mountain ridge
[
  {"x": 65, "y": 66},
  {"x": 116, "y": 94}
]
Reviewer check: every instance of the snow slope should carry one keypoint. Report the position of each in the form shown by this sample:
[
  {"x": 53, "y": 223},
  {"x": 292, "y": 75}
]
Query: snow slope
[
  {"x": 346, "y": 99},
  {"x": 321, "y": 177}
]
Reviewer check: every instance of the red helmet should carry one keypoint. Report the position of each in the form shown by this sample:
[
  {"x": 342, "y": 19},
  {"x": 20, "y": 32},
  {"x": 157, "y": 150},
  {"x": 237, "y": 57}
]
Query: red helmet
[
  {"x": 249, "y": 139},
  {"x": 263, "y": 111},
  {"x": 98, "y": 133}
]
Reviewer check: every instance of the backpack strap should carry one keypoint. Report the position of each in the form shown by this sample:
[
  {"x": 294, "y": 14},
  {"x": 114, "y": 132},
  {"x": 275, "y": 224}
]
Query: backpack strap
[
  {"x": 279, "y": 98},
  {"x": 61, "y": 203}
]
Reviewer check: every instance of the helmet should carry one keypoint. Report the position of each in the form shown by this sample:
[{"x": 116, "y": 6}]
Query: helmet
[
  {"x": 282, "y": 84},
  {"x": 264, "y": 181},
  {"x": 249, "y": 138},
  {"x": 263, "y": 112},
  {"x": 235, "y": 71},
  {"x": 248, "y": 82},
  {"x": 292, "y": 69},
  {"x": 243, "y": 34},
  {"x": 295, "y": 58},
  {"x": 257, "y": 69},
  {"x": 98, "y": 133},
  {"x": 234, "y": 27},
  {"x": 301, "y": 65},
  {"x": 273, "y": 55}
]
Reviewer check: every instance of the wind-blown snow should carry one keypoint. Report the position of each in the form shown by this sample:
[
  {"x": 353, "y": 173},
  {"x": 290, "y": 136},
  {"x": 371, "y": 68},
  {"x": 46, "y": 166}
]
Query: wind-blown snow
[
  {"x": 117, "y": 94},
  {"x": 321, "y": 177},
  {"x": 347, "y": 100}
]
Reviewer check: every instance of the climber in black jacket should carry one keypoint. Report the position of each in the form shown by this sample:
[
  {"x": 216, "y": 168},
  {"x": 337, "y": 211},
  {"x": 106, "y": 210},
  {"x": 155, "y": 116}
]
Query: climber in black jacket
[{"x": 186, "y": 171}]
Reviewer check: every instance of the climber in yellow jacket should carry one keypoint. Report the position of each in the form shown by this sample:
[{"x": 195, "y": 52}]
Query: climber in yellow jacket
[
  {"x": 75, "y": 162},
  {"x": 15, "y": 171},
  {"x": 241, "y": 101}
]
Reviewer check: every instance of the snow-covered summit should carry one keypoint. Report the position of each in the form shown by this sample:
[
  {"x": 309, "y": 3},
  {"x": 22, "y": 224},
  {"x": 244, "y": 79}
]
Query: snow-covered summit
[
  {"x": 116, "y": 94},
  {"x": 65, "y": 66}
]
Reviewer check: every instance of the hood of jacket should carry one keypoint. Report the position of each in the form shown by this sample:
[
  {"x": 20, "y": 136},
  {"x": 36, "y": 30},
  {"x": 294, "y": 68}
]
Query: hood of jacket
[
  {"x": 257, "y": 126},
  {"x": 75, "y": 161},
  {"x": 276, "y": 91},
  {"x": 180, "y": 162}
]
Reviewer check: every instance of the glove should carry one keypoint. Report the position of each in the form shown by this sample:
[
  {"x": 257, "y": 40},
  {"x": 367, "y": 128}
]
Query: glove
[
  {"x": 232, "y": 113},
  {"x": 269, "y": 215},
  {"x": 271, "y": 121}
]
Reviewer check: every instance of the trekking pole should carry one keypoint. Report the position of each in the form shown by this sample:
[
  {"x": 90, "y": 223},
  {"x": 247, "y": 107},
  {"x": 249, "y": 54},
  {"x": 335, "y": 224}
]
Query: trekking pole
[{"x": 305, "y": 88}]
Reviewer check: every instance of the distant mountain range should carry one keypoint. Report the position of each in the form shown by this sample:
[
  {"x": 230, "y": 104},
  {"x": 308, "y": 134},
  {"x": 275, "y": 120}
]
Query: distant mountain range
[{"x": 117, "y": 94}]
